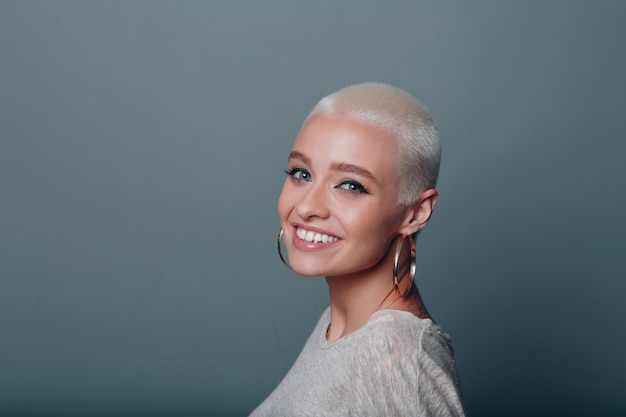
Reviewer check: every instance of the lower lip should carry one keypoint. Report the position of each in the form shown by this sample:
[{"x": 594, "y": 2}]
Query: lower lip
[{"x": 311, "y": 246}]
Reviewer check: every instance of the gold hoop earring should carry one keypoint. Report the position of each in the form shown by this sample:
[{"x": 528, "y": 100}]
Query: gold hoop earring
[
  {"x": 396, "y": 279},
  {"x": 280, "y": 252}
]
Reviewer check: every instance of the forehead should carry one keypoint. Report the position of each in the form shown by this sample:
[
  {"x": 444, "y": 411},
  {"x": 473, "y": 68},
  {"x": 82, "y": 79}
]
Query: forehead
[{"x": 342, "y": 139}]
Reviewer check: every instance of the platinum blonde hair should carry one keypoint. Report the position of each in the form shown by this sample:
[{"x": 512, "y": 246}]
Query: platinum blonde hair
[{"x": 405, "y": 119}]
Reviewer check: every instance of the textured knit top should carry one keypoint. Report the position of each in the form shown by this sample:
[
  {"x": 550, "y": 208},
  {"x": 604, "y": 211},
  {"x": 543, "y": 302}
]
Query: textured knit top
[{"x": 395, "y": 365}]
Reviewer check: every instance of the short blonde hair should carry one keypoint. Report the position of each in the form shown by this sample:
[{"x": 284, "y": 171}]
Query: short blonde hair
[{"x": 405, "y": 118}]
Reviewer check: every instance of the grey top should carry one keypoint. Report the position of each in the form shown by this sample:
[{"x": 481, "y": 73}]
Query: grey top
[{"x": 395, "y": 365}]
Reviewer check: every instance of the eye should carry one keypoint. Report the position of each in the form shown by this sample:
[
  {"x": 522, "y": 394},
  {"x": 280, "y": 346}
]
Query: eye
[
  {"x": 299, "y": 174},
  {"x": 352, "y": 187}
]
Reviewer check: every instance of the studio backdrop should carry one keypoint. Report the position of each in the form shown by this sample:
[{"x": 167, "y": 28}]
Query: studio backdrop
[{"x": 142, "y": 149}]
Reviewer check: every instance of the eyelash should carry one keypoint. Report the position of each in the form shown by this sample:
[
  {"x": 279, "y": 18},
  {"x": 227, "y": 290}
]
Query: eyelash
[
  {"x": 354, "y": 187},
  {"x": 293, "y": 172}
]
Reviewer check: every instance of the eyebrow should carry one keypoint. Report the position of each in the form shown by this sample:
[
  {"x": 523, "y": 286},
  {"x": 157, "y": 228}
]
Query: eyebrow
[
  {"x": 336, "y": 166},
  {"x": 298, "y": 155},
  {"x": 354, "y": 169}
]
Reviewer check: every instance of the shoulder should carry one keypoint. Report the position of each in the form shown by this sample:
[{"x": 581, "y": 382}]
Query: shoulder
[
  {"x": 398, "y": 339},
  {"x": 395, "y": 327},
  {"x": 406, "y": 363},
  {"x": 418, "y": 346},
  {"x": 423, "y": 354}
]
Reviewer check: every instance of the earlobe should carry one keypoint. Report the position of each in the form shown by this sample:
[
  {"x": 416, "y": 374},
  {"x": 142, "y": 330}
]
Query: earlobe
[{"x": 420, "y": 212}]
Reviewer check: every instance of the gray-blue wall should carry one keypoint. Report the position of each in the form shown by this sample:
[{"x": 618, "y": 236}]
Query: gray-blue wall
[{"x": 142, "y": 145}]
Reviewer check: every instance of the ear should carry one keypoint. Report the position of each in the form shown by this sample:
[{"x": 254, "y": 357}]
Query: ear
[{"x": 418, "y": 214}]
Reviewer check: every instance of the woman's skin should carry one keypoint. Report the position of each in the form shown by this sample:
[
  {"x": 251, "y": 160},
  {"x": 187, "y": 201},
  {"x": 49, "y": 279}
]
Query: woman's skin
[{"x": 341, "y": 216}]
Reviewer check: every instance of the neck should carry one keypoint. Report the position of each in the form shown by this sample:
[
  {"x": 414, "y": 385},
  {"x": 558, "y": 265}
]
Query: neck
[{"x": 354, "y": 298}]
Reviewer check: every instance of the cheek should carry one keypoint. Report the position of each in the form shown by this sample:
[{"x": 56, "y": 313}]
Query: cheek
[
  {"x": 376, "y": 224},
  {"x": 284, "y": 204}
]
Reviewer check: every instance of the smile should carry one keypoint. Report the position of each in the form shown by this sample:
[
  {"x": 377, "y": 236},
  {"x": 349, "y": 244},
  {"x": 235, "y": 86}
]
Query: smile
[{"x": 314, "y": 237}]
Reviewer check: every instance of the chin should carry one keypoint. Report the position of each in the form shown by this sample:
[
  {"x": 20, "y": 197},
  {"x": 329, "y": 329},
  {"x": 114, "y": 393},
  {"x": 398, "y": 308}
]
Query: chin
[
  {"x": 308, "y": 271},
  {"x": 307, "y": 267}
]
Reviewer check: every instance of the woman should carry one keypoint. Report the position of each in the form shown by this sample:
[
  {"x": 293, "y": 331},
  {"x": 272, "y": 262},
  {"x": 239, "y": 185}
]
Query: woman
[{"x": 360, "y": 186}]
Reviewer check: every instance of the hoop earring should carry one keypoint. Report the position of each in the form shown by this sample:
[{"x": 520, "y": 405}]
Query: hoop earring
[
  {"x": 280, "y": 252},
  {"x": 396, "y": 280}
]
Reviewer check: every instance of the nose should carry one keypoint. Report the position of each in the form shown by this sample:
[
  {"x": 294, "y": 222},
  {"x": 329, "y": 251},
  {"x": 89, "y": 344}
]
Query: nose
[{"x": 314, "y": 202}]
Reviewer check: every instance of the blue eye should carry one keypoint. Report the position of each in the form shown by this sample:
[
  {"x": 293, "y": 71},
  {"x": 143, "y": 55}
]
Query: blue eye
[
  {"x": 352, "y": 187},
  {"x": 299, "y": 174}
]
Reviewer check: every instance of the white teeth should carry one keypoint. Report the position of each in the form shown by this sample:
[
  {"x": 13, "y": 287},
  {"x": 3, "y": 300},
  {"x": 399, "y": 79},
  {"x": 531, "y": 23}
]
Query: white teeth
[{"x": 310, "y": 236}]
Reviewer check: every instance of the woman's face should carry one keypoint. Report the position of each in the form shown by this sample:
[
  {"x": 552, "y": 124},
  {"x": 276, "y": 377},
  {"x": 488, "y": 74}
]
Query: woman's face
[{"x": 339, "y": 205}]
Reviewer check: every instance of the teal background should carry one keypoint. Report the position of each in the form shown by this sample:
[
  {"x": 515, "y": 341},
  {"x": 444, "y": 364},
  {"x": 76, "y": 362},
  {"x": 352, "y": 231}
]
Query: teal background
[{"x": 142, "y": 145}]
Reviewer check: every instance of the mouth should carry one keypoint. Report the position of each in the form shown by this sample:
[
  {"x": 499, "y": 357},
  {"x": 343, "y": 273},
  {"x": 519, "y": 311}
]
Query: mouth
[{"x": 310, "y": 236}]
